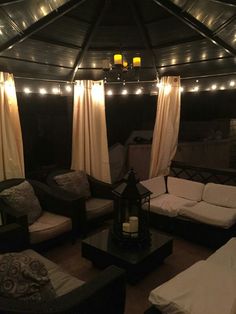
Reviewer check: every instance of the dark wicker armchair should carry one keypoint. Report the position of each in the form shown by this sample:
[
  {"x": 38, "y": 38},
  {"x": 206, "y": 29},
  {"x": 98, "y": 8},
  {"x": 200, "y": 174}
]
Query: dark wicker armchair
[
  {"x": 103, "y": 294},
  {"x": 59, "y": 215},
  {"x": 92, "y": 210}
]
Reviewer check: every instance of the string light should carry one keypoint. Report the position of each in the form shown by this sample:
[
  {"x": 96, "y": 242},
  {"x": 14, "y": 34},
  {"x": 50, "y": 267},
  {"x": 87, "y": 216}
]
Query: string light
[
  {"x": 110, "y": 92},
  {"x": 151, "y": 87},
  {"x": 55, "y": 90},
  {"x": 138, "y": 91},
  {"x": 68, "y": 88},
  {"x": 27, "y": 90},
  {"x": 42, "y": 91}
]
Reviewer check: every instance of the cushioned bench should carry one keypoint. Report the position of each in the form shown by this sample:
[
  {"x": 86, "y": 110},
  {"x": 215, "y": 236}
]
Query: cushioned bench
[
  {"x": 193, "y": 209},
  {"x": 207, "y": 287}
]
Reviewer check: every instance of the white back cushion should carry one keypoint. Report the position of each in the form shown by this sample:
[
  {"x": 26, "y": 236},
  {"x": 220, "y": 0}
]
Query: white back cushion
[
  {"x": 156, "y": 185},
  {"x": 219, "y": 194},
  {"x": 185, "y": 188}
]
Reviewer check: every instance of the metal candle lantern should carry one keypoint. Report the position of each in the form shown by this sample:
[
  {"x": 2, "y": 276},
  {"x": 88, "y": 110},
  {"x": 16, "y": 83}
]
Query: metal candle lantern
[{"x": 131, "y": 216}]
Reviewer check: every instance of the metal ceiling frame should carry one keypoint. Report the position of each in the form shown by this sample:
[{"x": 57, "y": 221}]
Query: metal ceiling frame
[
  {"x": 225, "y": 2},
  {"x": 192, "y": 22},
  {"x": 143, "y": 31},
  {"x": 46, "y": 20},
  {"x": 9, "y": 2},
  {"x": 88, "y": 38}
]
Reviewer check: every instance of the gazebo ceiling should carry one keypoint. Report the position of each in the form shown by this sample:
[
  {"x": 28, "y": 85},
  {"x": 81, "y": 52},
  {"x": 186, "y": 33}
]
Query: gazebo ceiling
[{"x": 76, "y": 39}]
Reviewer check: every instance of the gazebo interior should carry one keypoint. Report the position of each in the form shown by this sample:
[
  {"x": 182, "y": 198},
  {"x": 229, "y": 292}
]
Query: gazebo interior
[{"x": 129, "y": 47}]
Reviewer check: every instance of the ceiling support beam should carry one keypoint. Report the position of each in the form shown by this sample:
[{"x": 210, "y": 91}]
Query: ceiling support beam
[
  {"x": 189, "y": 20},
  {"x": 48, "y": 19},
  {"x": 143, "y": 31},
  {"x": 226, "y": 2},
  {"x": 88, "y": 39}
]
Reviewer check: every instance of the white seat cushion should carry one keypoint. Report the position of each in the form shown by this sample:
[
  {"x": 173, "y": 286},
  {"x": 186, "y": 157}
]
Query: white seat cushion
[
  {"x": 204, "y": 288},
  {"x": 211, "y": 214},
  {"x": 169, "y": 205},
  {"x": 61, "y": 281},
  {"x": 219, "y": 194},
  {"x": 155, "y": 185},
  {"x": 225, "y": 255},
  {"x": 98, "y": 206},
  {"x": 185, "y": 188},
  {"x": 48, "y": 226}
]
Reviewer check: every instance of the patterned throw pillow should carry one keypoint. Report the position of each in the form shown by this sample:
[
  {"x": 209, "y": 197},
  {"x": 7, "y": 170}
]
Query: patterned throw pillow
[
  {"x": 75, "y": 182},
  {"x": 23, "y": 277},
  {"x": 22, "y": 198}
]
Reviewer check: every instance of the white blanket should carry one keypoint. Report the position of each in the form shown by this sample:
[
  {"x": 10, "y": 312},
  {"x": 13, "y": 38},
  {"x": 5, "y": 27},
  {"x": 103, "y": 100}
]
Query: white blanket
[{"x": 204, "y": 288}]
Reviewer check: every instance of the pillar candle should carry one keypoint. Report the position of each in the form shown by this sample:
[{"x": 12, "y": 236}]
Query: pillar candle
[
  {"x": 126, "y": 227},
  {"x": 133, "y": 221}
]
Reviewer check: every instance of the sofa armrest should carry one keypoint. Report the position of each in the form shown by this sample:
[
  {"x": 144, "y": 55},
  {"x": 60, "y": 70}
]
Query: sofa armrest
[
  {"x": 103, "y": 294},
  {"x": 13, "y": 237},
  {"x": 100, "y": 189},
  {"x": 10, "y": 215}
]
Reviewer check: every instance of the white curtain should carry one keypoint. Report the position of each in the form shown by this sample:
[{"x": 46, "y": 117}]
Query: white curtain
[
  {"x": 11, "y": 145},
  {"x": 89, "y": 138},
  {"x": 165, "y": 135}
]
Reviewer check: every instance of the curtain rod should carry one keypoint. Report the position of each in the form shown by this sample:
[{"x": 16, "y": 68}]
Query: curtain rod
[{"x": 127, "y": 82}]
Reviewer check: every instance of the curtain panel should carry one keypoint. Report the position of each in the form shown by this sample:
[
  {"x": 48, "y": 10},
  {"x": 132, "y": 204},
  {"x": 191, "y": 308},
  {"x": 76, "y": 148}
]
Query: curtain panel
[
  {"x": 89, "y": 135},
  {"x": 11, "y": 145},
  {"x": 165, "y": 134}
]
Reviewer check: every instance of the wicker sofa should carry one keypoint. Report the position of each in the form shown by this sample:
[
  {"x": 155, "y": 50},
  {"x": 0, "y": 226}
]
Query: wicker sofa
[
  {"x": 105, "y": 293},
  {"x": 201, "y": 211},
  {"x": 208, "y": 286}
]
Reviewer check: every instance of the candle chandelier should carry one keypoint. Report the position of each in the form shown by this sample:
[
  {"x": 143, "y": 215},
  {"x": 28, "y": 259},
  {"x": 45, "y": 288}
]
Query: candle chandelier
[{"x": 120, "y": 66}]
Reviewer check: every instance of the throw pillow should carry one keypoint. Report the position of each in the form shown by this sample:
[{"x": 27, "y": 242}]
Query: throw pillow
[
  {"x": 22, "y": 198},
  {"x": 25, "y": 278},
  {"x": 75, "y": 182}
]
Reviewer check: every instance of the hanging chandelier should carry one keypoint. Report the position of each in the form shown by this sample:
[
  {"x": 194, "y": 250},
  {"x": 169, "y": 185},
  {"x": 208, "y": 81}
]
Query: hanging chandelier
[
  {"x": 119, "y": 60},
  {"x": 119, "y": 67}
]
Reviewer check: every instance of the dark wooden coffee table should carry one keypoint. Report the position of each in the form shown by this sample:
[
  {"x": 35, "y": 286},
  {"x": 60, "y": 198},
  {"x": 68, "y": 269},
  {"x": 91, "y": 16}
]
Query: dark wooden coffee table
[{"x": 103, "y": 251}]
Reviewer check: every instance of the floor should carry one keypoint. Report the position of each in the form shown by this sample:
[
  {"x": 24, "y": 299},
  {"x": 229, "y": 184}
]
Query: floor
[{"x": 185, "y": 253}]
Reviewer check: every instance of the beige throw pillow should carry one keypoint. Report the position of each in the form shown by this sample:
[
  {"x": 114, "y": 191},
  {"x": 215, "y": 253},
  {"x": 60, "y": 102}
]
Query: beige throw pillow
[
  {"x": 23, "y": 277},
  {"x": 75, "y": 182},
  {"x": 22, "y": 198}
]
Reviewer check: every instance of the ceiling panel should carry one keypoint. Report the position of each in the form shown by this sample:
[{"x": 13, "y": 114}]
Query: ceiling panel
[
  {"x": 67, "y": 30},
  {"x": 210, "y": 13},
  {"x": 85, "y": 11},
  {"x": 199, "y": 50},
  {"x": 21, "y": 68},
  {"x": 117, "y": 37},
  {"x": 151, "y": 12},
  {"x": 7, "y": 31},
  {"x": 15, "y": 18},
  {"x": 168, "y": 30},
  {"x": 38, "y": 51},
  {"x": 214, "y": 67},
  {"x": 228, "y": 34}
]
